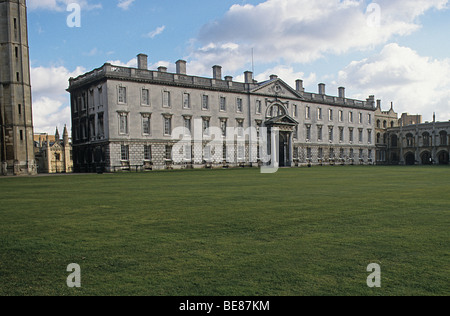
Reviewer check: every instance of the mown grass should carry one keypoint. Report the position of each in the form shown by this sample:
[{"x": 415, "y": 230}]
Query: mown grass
[{"x": 228, "y": 232}]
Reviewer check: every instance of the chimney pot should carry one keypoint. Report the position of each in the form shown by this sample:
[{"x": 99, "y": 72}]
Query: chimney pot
[
  {"x": 342, "y": 92},
  {"x": 322, "y": 88},
  {"x": 142, "y": 61},
  {"x": 248, "y": 77},
  {"x": 217, "y": 72},
  {"x": 299, "y": 86},
  {"x": 181, "y": 67}
]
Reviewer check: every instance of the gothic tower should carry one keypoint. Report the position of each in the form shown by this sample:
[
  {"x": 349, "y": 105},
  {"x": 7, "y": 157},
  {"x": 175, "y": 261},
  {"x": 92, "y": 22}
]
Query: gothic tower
[{"x": 16, "y": 121}]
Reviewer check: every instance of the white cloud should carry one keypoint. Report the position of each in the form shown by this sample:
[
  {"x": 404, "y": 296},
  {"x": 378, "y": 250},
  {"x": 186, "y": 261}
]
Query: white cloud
[
  {"x": 301, "y": 31},
  {"x": 156, "y": 32},
  {"x": 125, "y": 4},
  {"x": 416, "y": 84},
  {"x": 51, "y": 103}
]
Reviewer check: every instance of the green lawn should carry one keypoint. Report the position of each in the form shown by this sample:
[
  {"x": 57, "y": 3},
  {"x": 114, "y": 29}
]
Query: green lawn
[{"x": 309, "y": 231}]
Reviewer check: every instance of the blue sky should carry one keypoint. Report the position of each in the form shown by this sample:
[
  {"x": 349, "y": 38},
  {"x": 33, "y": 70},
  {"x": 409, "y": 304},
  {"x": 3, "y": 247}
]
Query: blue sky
[{"x": 396, "y": 50}]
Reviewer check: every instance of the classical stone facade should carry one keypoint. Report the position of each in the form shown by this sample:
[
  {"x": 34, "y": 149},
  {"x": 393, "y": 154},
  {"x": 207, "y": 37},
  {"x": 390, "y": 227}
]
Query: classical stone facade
[
  {"x": 127, "y": 118},
  {"x": 16, "y": 120}
]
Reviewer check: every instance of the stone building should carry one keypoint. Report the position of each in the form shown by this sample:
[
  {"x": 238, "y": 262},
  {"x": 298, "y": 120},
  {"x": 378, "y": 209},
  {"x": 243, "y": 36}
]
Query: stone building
[
  {"x": 408, "y": 119},
  {"x": 128, "y": 118},
  {"x": 384, "y": 120},
  {"x": 420, "y": 144},
  {"x": 16, "y": 120},
  {"x": 53, "y": 155}
]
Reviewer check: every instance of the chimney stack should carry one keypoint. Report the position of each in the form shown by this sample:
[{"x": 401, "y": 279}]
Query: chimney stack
[
  {"x": 299, "y": 86},
  {"x": 379, "y": 104},
  {"x": 162, "y": 69},
  {"x": 273, "y": 77},
  {"x": 248, "y": 77},
  {"x": 229, "y": 78},
  {"x": 217, "y": 72},
  {"x": 322, "y": 88},
  {"x": 342, "y": 92},
  {"x": 142, "y": 61},
  {"x": 181, "y": 67}
]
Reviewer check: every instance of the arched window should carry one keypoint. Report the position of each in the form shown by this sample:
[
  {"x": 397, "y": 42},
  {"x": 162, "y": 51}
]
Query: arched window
[
  {"x": 394, "y": 141},
  {"x": 384, "y": 124},
  {"x": 275, "y": 111},
  {"x": 443, "y": 137},
  {"x": 378, "y": 138},
  {"x": 379, "y": 124},
  {"x": 409, "y": 140},
  {"x": 392, "y": 124},
  {"x": 426, "y": 139}
]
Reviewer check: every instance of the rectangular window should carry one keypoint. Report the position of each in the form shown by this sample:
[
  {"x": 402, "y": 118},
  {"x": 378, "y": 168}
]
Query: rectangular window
[
  {"x": 308, "y": 133},
  {"x": 16, "y": 52},
  {"x": 223, "y": 127},
  {"x": 145, "y": 97},
  {"x": 122, "y": 95},
  {"x": 331, "y": 153},
  {"x": 207, "y": 153},
  {"x": 361, "y": 154},
  {"x": 308, "y": 112},
  {"x": 205, "y": 102},
  {"x": 369, "y": 118},
  {"x": 350, "y": 134},
  {"x": 319, "y": 133},
  {"x": 240, "y": 126},
  {"x": 341, "y": 116},
  {"x": 166, "y": 99},
  {"x": 330, "y": 114},
  {"x": 341, "y": 134},
  {"x": 360, "y": 118},
  {"x": 167, "y": 126},
  {"x": 295, "y": 110},
  {"x": 148, "y": 153},
  {"x": 320, "y": 154},
  {"x": 186, "y": 101},
  {"x": 168, "y": 152},
  {"x": 241, "y": 153},
  {"x": 19, "y": 109},
  {"x": 187, "y": 125},
  {"x": 123, "y": 123},
  {"x": 223, "y": 104},
  {"x": 308, "y": 153},
  {"x": 206, "y": 127},
  {"x": 360, "y": 138},
  {"x": 350, "y": 117},
  {"x": 21, "y": 135},
  {"x": 295, "y": 135},
  {"x": 330, "y": 134},
  {"x": 341, "y": 153},
  {"x": 352, "y": 154},
  {"x": 125, "y": 152},
  {"x": 146, "y": 125},
  {"x": 239, "y": 105},
  {"x": 319, "y": 114},
  {"x": 369, "y": 136},
  {"x": 101, "y": 125},
  {"x": 258, "y": 107}
]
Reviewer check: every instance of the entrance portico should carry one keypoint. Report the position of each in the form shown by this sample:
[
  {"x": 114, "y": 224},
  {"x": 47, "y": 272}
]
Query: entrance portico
[{"x": 284, "y": 126}]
